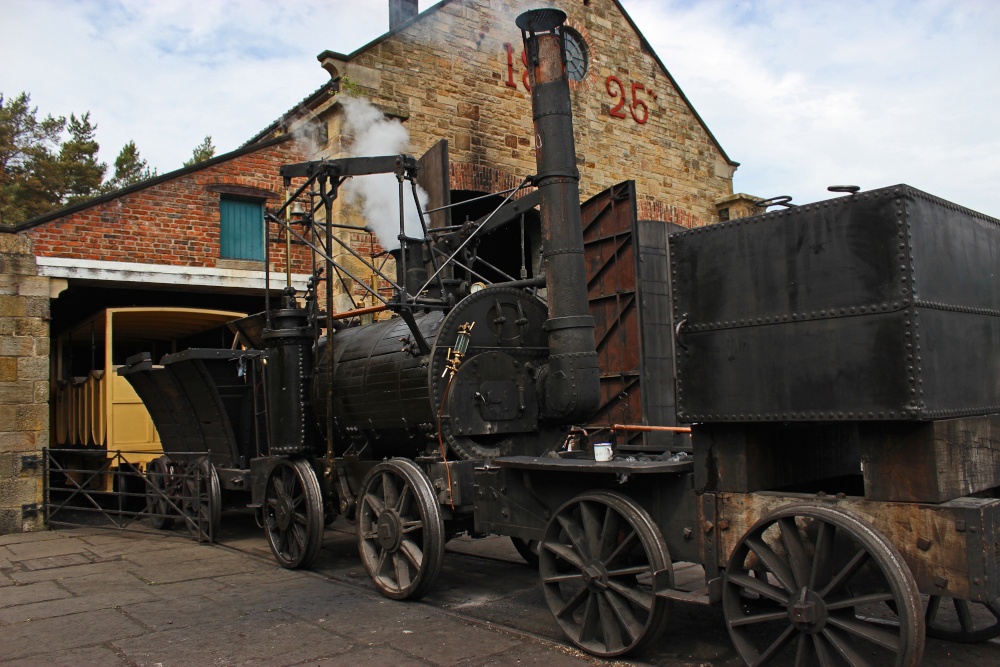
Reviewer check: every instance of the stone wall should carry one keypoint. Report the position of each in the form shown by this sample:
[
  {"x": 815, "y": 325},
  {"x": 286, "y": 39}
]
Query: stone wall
[
  {"x": 24, "y": 383},
  {"x": 456, "y": 73}
]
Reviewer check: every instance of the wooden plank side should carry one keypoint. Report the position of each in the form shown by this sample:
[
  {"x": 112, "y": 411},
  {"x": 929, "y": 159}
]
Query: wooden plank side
[
  {"x": 941, "y": 544},
  {"x": 931, "y": 461}
]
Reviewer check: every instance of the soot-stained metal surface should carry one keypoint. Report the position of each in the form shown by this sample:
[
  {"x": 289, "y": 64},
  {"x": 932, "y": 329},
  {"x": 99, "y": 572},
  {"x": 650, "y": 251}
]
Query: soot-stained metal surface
[{"x": 876, "y": 306}]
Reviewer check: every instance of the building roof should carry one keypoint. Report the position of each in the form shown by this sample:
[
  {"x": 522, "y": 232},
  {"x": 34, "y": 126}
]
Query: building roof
[{"x": 142, "y": 185}]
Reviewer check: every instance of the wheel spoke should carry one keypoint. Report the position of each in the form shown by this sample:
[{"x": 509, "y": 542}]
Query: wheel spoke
[
  {"x": 404, "y": 500},
  {"x": 575, "y": 534},
  {"x": 867, "y": 631},
  {"x": 772, "y": 562},
  {"x": 624, "y": 547},
  {"x": 823, "y": 554},
  {"x": 933, "y": 607},
  {"x": 412, "y": 552},
  {"x": 845, "y": 574},
  {"x": 610, "y": 628},
  {"x": 964, "y": 614},
  {"x": 607, "y": 550},
  {"x": 411, "y": 526},
  {"x": 859, "y": 600},
  {"x": 592, "y": 527},
  {"x": 298, "y": 539},
  {"x": 759, "y": 618},
  {"x": 759, "y": 586},
  {"x": 822, "y": 651},
  {"x": 376, "y": 503},
  {"x": 635, "y": 596},
  {"x": 560, "y": 578},
  {"x": 389, "y": 492},
  {"x": 572, "y": 604},
  {"x": 402, "y": 570},
  {"x": 801, "y": 651},
  {"x": 591, "y": 618},
  {"x": 629, "y": 571},
  {"x": 797, "y": 557},
  {"x": 776, "y": 645},
  {"x": 566, "y": 553},
  {"x": 844, "y": 648},
  {"x": 381, "y": 562}
]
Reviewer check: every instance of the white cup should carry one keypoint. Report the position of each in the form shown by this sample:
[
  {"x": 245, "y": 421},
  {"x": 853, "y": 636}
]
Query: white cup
[{"x": 602, "y": 451}]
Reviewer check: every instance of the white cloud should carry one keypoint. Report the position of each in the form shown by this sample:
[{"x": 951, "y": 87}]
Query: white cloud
[
  {"x": 810, "y": 94},
  {"x": 804, "y": 94},
  {"x": 166, "y": 73}
]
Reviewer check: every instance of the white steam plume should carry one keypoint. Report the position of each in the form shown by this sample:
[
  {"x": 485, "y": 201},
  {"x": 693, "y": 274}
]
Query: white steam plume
[{"x": 378, "y": 195}]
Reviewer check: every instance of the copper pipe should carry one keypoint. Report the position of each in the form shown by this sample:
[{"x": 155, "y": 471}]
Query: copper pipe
[
  {"x": 358, "y": 311},
  {"x": 640, "y": 427}
]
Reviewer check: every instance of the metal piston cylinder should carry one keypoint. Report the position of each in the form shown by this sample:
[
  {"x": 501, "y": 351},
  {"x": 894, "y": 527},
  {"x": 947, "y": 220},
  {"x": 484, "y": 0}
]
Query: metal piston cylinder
[{"x": 288, "y": 365}]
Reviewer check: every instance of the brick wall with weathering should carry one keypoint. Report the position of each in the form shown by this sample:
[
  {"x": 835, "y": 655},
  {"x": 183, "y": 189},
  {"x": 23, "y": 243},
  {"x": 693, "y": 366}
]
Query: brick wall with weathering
[
  {"x": 174, "y": 222},
  {"x": 457, "y": 74},
  {"x": 24, "y": 383}
]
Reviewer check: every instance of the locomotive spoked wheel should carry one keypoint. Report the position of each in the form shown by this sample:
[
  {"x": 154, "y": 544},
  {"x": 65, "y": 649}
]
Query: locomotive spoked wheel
[
  {"x": 951, "y": 619},
  {"x": 293, "y": 513},
  {"x": 804, "y": 587},
  {"x": 201, "y": 499},
  {"x": 400, "y": 530},
  {"x": 159, "y": 489},
  {"x": 602, "y": 562}
]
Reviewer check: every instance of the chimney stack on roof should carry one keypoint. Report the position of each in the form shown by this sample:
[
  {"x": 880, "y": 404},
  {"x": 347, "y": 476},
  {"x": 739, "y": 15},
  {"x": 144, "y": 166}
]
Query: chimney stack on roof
[{"x": 401, "y": 11}]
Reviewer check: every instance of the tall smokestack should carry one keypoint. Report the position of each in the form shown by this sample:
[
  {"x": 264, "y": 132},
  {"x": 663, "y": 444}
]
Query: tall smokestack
[
  {"x": 401, "y": 11},
  {"x": 571, "y": 383}
]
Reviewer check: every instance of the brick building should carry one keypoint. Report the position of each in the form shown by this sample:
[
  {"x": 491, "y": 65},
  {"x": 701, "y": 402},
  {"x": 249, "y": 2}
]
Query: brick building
[{"x": 453, "y": 72}]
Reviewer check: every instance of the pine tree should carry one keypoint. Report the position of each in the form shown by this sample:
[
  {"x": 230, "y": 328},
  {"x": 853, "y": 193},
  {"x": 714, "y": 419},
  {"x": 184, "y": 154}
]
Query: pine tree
[
  {"x": 130, "y": 168},
  {"x": 28, "y": 160},
  {"x": 203, "y": 151},
  {"x": 82, "y": 173}
]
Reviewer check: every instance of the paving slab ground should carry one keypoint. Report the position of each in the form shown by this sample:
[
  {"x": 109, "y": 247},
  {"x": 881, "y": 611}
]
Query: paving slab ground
[
  {"x": 89, "y": 596},
  {"x": 92, "y": 596}
]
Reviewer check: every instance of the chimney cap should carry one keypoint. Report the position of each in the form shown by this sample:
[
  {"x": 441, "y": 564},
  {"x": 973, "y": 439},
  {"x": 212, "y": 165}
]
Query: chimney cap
[{"x": 541, "y": 20}]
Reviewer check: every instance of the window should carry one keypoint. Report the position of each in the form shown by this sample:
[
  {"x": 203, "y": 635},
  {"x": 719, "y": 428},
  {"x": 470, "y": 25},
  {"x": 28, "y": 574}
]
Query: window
[{"x": 241, "y": 233}]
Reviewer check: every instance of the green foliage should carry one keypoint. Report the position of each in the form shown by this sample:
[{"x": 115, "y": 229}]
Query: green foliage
[
  {"x": 39, "y": 172},
  {"x": 82, "y": 173},
  {"x": 130, "y": 168},
  {"x": 27, "y": 154},
  {"x": 203, "y": 151}
]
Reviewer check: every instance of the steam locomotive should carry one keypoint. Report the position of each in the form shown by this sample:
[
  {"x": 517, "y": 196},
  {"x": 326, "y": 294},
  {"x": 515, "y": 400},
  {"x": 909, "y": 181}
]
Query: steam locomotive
[{"x": 800, "y": 344}]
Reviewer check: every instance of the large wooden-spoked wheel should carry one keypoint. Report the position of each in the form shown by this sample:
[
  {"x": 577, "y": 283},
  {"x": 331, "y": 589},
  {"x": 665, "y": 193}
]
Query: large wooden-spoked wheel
[
  {"x": 602, "y": 562},
  {"x": 293, "y": 513},
  {"x": 201, "y": 499},
  {"x": 804, "y": 587},
  {"x": 400, "y": 529},
  {"x": 958, "y": 624},
  {"x": 159, "y": 489}
]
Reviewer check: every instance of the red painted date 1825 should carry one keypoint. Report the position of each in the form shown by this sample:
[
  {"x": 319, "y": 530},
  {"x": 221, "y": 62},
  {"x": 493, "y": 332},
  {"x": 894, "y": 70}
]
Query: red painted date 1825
[{"x": 637, "y": 107}]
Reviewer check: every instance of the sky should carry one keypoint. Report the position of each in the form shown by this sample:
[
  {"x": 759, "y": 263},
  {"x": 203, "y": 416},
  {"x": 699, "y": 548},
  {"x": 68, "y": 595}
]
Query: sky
[{"x": 803, "y": 94}]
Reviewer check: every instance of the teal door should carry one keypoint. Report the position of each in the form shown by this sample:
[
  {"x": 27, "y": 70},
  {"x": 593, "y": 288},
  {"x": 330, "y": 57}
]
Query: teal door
[{"x": 241, "y": 229}]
